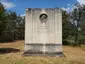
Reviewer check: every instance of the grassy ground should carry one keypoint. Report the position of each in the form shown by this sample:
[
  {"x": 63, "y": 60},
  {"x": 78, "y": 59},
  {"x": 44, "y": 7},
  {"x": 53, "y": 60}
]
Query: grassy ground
[{"x": 11, "y": 53}]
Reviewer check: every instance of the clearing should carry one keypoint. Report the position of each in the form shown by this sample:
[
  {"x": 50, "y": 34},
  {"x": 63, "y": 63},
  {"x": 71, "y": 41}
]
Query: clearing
[{"x": 11, "y": 53}]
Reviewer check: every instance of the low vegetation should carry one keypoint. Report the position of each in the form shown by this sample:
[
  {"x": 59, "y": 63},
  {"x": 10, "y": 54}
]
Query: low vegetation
[{"x": 73, "y": 55}]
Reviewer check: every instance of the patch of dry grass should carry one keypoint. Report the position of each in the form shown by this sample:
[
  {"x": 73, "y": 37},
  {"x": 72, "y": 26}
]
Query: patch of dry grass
[{"x": 74, "y": 55}]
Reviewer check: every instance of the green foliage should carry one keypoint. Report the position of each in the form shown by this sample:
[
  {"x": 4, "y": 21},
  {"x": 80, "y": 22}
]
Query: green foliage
[
  {"x": 78, "y": 30},
  {"x": 11, "y": 25},
  {"x": 65, "y": 24},
  {"x": 2, "y": 18},
  {"x": 74, "y": 26}
]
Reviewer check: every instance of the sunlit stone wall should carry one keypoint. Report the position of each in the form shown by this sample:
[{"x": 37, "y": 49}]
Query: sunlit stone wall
[{"x": 43, "y": 30}]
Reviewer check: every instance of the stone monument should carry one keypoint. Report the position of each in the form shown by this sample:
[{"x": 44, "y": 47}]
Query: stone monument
[{"x": 43, "y": 31}]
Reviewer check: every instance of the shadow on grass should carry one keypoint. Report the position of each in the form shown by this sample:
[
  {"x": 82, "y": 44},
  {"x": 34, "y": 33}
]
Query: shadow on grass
[
  {"x": 8, "y": 50},
  {"x": 7, "y": 41}
]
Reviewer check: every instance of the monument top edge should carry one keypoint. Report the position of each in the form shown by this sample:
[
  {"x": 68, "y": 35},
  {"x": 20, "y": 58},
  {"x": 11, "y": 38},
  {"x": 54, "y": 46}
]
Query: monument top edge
[{"x": 43, "y": 8}]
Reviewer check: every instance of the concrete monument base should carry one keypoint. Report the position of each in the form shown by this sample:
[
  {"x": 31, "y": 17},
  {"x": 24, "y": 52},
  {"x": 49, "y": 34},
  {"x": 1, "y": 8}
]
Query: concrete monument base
[
  {"x": 59, "y": 54},
  {"x": 43, "y": 50}
]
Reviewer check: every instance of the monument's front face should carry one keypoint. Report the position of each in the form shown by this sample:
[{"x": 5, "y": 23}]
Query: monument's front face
[{"x": 43, "y": 31}]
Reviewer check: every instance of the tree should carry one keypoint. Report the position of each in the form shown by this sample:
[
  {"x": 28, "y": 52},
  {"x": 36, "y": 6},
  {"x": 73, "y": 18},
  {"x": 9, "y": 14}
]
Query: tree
[
  {"x": 78, "y": 20},
  {"x": 65, "y": 24},
  {"x": 11, "y": 25},
  {"x": 2, "y": 18}
]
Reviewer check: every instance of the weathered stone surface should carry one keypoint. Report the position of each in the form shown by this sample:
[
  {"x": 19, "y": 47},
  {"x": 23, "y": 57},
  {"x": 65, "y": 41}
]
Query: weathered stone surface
[{"x": 43, "y": 31}]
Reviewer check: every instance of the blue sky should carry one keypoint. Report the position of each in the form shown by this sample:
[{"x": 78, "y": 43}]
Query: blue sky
[{"x": 19, "y": 6}]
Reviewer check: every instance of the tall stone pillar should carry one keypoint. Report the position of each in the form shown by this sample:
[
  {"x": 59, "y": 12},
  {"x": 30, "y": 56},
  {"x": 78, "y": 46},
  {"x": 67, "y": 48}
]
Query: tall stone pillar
[{"x": 43, "y": 31}]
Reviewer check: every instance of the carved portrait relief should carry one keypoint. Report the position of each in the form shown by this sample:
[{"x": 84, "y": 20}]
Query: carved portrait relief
[{"x": 43, "y": 18}]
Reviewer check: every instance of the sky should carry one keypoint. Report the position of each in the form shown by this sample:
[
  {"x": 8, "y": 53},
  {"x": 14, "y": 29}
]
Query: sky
[{"x": 19, "y": 6}]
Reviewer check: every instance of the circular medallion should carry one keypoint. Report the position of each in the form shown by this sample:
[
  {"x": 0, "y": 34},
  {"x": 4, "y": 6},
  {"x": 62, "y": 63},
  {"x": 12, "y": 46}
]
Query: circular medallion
[{"x": 43, "y": 17}]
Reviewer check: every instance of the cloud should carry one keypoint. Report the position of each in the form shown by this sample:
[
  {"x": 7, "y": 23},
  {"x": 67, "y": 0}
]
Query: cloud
[
  {"x": 81, "y": 1},
  {"x": 7, "y": 4},
  {"x": 68, "y": 4},
  {"x": 22, "y": 15},
  {"x": 66, "y": 9},
  {"x": 69, "y": 8}
]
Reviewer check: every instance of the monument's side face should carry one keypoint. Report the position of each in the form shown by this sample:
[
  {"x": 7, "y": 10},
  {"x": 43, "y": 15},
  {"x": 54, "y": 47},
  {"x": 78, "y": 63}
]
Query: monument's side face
[{"x": 43, "y": 31}]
